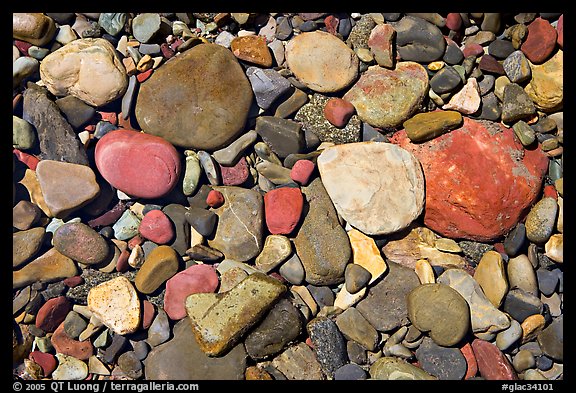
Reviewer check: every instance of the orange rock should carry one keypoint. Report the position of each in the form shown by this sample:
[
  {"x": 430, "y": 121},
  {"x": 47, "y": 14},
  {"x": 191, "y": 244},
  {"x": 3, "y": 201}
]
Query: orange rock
[{"x": 253, "y": 49}]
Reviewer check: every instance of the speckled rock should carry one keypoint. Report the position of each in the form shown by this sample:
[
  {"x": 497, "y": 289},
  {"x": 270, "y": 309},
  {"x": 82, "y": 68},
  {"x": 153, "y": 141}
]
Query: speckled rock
[
  {"x": 81, "y": 243},
  {"x": 541, "y": 219},
  {"x": 49, "y": 267},
  {"x": 441, "y": 362},
  {"x": 26, "y": 244},
  {"x": 546, "y": 86},
  {"x": 393, "y": 368},
  {"x": 160, "y": 265},
  {"x": 328, "y": 344}
]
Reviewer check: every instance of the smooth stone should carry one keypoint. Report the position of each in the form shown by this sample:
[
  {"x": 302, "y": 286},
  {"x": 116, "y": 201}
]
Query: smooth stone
[
  {"x": 219, "y": 321},
  {"x": 69, "y": 369},
  {"x": 356, "y": 277},
  {"x": 517, "y": 105},
  {"x": 52, "y": 313},
  {"x": 23, "y": 134},
  {"x": 523, "y": 360},
  {"x": 445, "y": 80},
  {"x": 554, "y": 248},
  {"x": 329, "y": 344},
  {"x": 202, "y": 220},
  {"x": 521, "y": 274},
  {"x": 94, "y": 56},
  {"x": 299, "y": 362},
  {"x": 252, "y": 49},
  {"x": 492, "y": 363},
  {"x": 547, "y": 281},
  {"x": 520, "y": 304},
  {"x": 210, "y": 168},
  {"x": 221, "y": 100},
  {"x": 453, "y": 54},
  {"x": 160, "y": 265},
  {"x": 130, "y": 365},
  {"x": 56, "y": 137},
  {"x": 467, "y": 100},
  {"x": 192, "y": 173},
  {"x": 532, "y": 326},
  {"x": 176, "y": 214},
  {"x": 546, "y": 85},
  {"x": 484, "y": 317},
  {"x": 489, "y": 64},
  {"x": 551, "y": 340},
  {"x": 418, "y": 40},
  {"x": 267, "y": 84},
  {"x": 35, "y": 28},
  {"x": 264, "y": 152},
  {"x": 274, "y": 174},
  {"x": 506, "y": 338},
  {"x": 355, "y": 327},
  {"x": 524, "y": 132},
  {"x": 81, "y": 243},
  {"x": 49, "y": 267},
  {"x": 26, "y": 244},
  {"x": 283, "y": 208},
  {"x": 157, "y": 227},
  {"x": 541, "y": 219},
  {"x": 490, "y": 108},
  {"x": 47, "y": 361},
  {"x": 350, "y": 372},
  {"x": 500, "y": 49},
  {"x": 517, "y": 67},
  {"x": 74, "y": 325},
  {"x": 159, "y": 330},
  {"x": 381, "y": 44},
  {"x": 294, "y": 102},
  {"x": 365, "y": 253},
  {"x": 145, "y": 26},
  {"x": 321, "y": 243},
  {"x": 424, "y": 126},
  {"x": 292, "y": 270},
  {"x": 441, "y": 362},
  {"x": 115, "y": 302},
  {"x": 230, "y": 155},
  {"x": 486, "y": 84},
  {"x": 126, "y": 227},
  {"x": 182, "y": 359},
  {"x": 393, "y": 368},
  {"x": 338, "y": 112},
  {"x": 204, "y": 253},
  {"x": 281, "y": 326},
  {"x": 76, "y": 111},
  {"x": 277, "y": 249},
  {"x": 490, "y": 274},
  {"x": 540, "y": 42},
  {"x": 385, "y": 304},
  {"x": 311, "y": 116},
  {"x": 66, "y": 345},
  {"x": 284, "y": 136},
  {"x": 23, "y": 68},
  {"x": 25, "y": 215},
  {"x": 335, "y": 66},
  {"x": 369, "y": 208}
]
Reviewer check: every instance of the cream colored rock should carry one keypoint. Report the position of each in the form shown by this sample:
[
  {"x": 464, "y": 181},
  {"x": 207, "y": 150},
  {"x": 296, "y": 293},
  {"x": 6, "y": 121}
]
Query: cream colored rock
[
  {"x": 376, "y": 187},
  {"x": 447, "y": 245},
  {"x": 521, "y": 274},
  {"x": 69, "y": 369},
  {"x": 366, "y": 254},
  {"x": 35, "y": 28},
  {"x": 424, "y": 272},
  {"x": 491, "y": 275},
  {"x": 546, "y": 87},
  {"x": 554, "y": 248},
  {"x": 87, "y": 68},
  {"x": 345, "y": 299},
  {"x": 467, "y": 100},
  {"x": 560, "y": 219},
  {"x": 116, "y": 304}
]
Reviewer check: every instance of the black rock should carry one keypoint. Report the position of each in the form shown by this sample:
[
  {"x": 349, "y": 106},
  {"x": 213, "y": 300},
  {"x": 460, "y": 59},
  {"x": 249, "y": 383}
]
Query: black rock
[
  {"x": 551, "y": 340},
  {"x": 445, "y": 80},
  {"x": 62, "y": 18},
  {"x": 391, "y": 16},
  {"x": 116, "y": 347},
  {"x": 76, "y": 111},
  {"x": 202, "y": 220},
  {"x": 490, "y": 109},
  {"x": 350, "y": 372},
  {"x": 521, "y": 304},
  {"x": 547, "y": 281},
  {"x": 443, "y": 362},
  {"x": 329, "y": 344},
  {"x": 501, "y": 49},
  {"x": 515, "y": 241},
  {"x": 418, "y": 40},
  {"x": 199, "y": 198},
  {"x": 356, "y": 353},
  {"x": 453, "y": 55},
  {"x": 544, "y": 363},
  {"x": 177, "y": 214}
]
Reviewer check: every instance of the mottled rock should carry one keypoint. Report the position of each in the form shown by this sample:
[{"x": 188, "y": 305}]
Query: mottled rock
[
  {"x": 81, "y": 243},
  {"x": 393, "y": 368},
  {"x": 467, "y": 100},
  {"x": 490, "y": 274},
  {"x": 299, "y": 362},
  {"x": 160, "y": 265},
  {"x": 48, "y": 267},
  {"x": 541, "y": 219},
  {"x": 23, "y": 134},
  {"x": 517, "y": 105},
  {"x": 517, "y": 67},
  {"x": 267, "y": 84},
  {"x": 546, "y": 87},
  {"x": 492, "y": 363},
  {"x": 64, "y": 344},
  {"x": 540, "y": 42},
  {"x": 252, "y": 49},
  {"x": 328, "y": 344},
  {"x": 441, "y": 362},
  {"x": 69, "y": 369},
  {"x": 277, "y": 249}
]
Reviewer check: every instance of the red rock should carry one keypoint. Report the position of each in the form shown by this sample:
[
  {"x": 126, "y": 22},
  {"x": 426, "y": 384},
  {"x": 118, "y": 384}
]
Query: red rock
[
  {"x": 338, "y": 111},
  {"x": 138, "y": 164},
  {"x": 454, "y": 21},
  {"x": 141, "y": 77},
  {"x": 110, "y": 117},
  {"x": 560, "y": 31},
  {"x": 167, "y": 52},
  {"x": 540, "y": 42},
  {"x": 550, "y": 191},
  {"x": 468, "y": 353},
  {"x": 17, "y": 103},
  {"x": 302, "y": 171},
  {"x": 47, "y": 361},
  {"x": 492, "y": 363},
  {"x": 90, "y": 128},
  {"x": 64, "y": 344},
  {"x": 135, "y": 241},
  {"x": 110, "y": 217},
  {"x": 235, "y": 175},
  {"x": 499, "y": 247},
  {"x": 490, "y": 64},
  {"x": 122, "y": 264},
  {"x": 27, "y": 159},
  {"x": 480, "y": 182},
  {"x": 157, "y": 227},
  {"x": 73, "y": 281},
  {"x": 381, "y": 44},
  {"x": 148, "y": 313},
  {"x": 215, "y": 199},
  {"x": 52, "y": 313},
  {"x": 282, "y": 209},
  {"x": 196, "y": 279},
  {"x": 22, "y": 47},
  {"x": 331, "y": 23},
  {"x": 473, "y": 50}
]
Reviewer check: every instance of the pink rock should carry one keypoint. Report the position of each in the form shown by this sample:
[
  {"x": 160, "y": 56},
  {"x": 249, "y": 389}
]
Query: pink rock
[
  {"x": 381, "y": 43},
  {"x": 471, "y": 362},
  {"x": 195, "y": 279},
  {"x": 109, "y": 217},
  {"x": 480, "y": 182},
  {"x": 138, "y": 164},
  {"x": 52, "y": 313},
  {"x": 64, "y": 344},
  {"x": 302, "y": 171},
  {"x": 331, "y": 23},
  {"x": 122, "y": 262},
  {"x": 141, "y": 77},
  {"x": 22, "y": 47},
  {"x": 215, "y": 199},
  {"x": 560, "y": 31},
  {"x": 453, "y": 21},
  {"x": 540, "y": 42},
  {"x": 490, "y": 64},
  {"x": 235, "y": 175},
  {"x": 157, "y": 227},
  {"x": 473, "y": 50},
  {"x": 110, "y": 117},
  {"x": 338, "y": 111},
  {"x": 148, "y": 313},
  {"x": 135, "y": 241},
  {"x": 27, "y": 159},
  {"x": 282, "y": 209},
  {"x": 47, "y": 361},
  {"x": 73, "y": 281},
  {"x": 492, "y": 363}
]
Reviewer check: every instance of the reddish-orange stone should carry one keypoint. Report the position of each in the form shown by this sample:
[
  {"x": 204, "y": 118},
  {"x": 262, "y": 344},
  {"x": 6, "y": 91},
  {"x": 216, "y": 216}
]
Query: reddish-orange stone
[
  {"x": 468, "y": 353},
  {"x": 52, "y": 313},
  {"x": 492, "y": 363},
  {"x": 282, "y": 209},
  {"x": 540, "y": 42},
  {"x": 62, "y": 343}
]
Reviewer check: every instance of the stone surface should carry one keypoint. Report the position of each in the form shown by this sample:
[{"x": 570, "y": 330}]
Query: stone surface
[
  {"x": 418, "y": 40},
  {"x": 25, "y": 245},
  {"x": 49, "y": 267},
  {"x": 338, "y": 112},
  {"x": 355, "y": 327},
  {"x": 33, "y": 27},
  {"x": 492, "y": 363},
  {"x": 540, "y": 42},
  {"x": 520, "y": 304},
  {"x": 356, "y": 277},
  {"x": 81, "y": 243},
  {"x": 277, "y": 249},
  {"x": 551, "y": 340},
  {"x": 467, "y": 100},
  {"x": 393, "y": 368},
  {"x": 283, "y": 209},
  {"x": 490, "y": 274},
  {"x": 381, "y": 43},
  {"x": 386, "y": 98},
  {"x": 160, "y": 265},
  {"x": 328, "y": 344},
  {"x": 541, "y": 219},
  {"x": 123, "y": 159},
  {"x": 52, "y": 313},
  {"x": 517, "y": 67},
  {"x": 366, "y": 254},
  {"x": 546, "y": 88},
  {"x": 252, "y": 49},
  {"x": 424, "y": 126},
  {"x": 521, "y": 274},
  {"x": 267, "y": 84},
  {"x": 69, "y": 369},
  {"x": 475, "y": 215},
  {"x": 321, "y": 61},
  {"x": 517, "y": 105},
  {"x": 283, "y": 136},
  {"x": 230, "y": 155},
  {"x": 299, "y": 362},
  {"x": 157, "y": 227},
  {"x": 364, "y": 203},
  {"x": 63, "y": 344},
  {"x": 23, "y": 134},
  {"x": 218, "y": 99},
  {"x": 441, "y": 362}
]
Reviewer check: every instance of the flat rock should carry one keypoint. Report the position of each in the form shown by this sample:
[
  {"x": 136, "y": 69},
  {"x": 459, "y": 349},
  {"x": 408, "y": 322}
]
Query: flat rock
[
  {"x": 145, "y": 26},
  {"x": 467, "y": 100},
  {"x": 386, "y": 98},
  {"x": 66, "y": 345},
  {"x": 366, "y": 254},
  {"x": 26, "y": 244},
  {"x": 252, "y": 49},
  {"x": 182, "y": 359},
  {"x": 220, "y": 320},
  {"x": 424, "y": 126},
  {"x": 23, "y": 134},
  {"x": 551, "y": 340},
  {"x": 355, "y": 327},
  {"x": 49, "y": 267},
  {"x": 441, "y": 362},
  {"x": 115, "y": 302},
  {"x": 517, "y": 67},
  {"x": 490, "y": 274},
  {"x": 464, "y": 213},
  {"x": 160, "y": 265},
  {"x": 445, "y": 80},
  {"x": 218, "y": 97},
  {"x": 381, "y": 43},
  {"x": 33, "y": 27},
  {"x": 366, "y": 204},
  {"x": 546, "y": 88},
  {"x": 69, "y": 369},
  {"x": 25, "y": 214},
  {"x": 126, "y": 227},
  {"x": 321, "y": 243},
  {"x": 77, "y": 112},
  {"x": 267, "y": 84},
  {"x": 540, "y": 42},
  {"x": 81, "y": 243},
  {"x": 393, "y": 368},
  {"x": 231, "y": 154},
  {"x": 418, "y": 40},
  {"x": 132, "y": 171},
  {"x": 283, "y": 209},
  {"x": 520, "y": 304},
  {"x": 86, "y": 56},
  {"x": 299, "y": 362},
  {"x": 284, "y": 136},
  {"x": 239, "y": 234},
  {"x": 321, "y": 61},
  {"x": 159, "y": 330},
  {"x": 517, "y": 105},
  {"x": 506, "y": 338},
  {"x": 492, "y": 363},
  {"x": 52, "y": 313}
]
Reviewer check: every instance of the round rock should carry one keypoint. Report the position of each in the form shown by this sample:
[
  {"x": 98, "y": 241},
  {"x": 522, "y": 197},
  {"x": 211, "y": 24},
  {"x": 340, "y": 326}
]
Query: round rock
[
  {"x": 157, "y": 227},
  {"x": 81, "y": 243},
  {"x": 443, "y": 363},
  {"x": 541, "y": 220},
  {"x": 160, "y": 265},
  {"x": 418, "y": 40}
]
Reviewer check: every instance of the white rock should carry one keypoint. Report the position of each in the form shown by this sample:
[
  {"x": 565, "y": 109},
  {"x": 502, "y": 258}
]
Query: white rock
[
  {"x": 69, "y": 368},
  {"x": 467, "y": 100}
]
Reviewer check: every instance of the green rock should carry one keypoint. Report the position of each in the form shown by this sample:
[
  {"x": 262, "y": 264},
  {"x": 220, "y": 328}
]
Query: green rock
[
  {"x": 145, "y": 26},
  {"x": 541, "y": 219},
  {"x": 517, "y": 105},
  {"x": 23, "y": 134},
  {"x": 429, "y": 125},
  {"x": 127, "y": 226},
  {"x": 392, "y": 368},
  {"x": 524, "y": 132},
  {"x": 113, "y": 23},
  {"x": 192, "y": 173}
]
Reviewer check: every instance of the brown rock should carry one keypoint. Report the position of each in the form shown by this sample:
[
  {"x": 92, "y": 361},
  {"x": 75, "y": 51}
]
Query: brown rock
[
  {"x": 81, "y": 243},
  {"x": 49, "y": 267},
  {"x": 35, "y": 28},
  {"x": 159, "y": 266},
  {"x": 26, "y": 244},
  {"x": 25, "y": 214},
  {"x": 253, "y": 49}
]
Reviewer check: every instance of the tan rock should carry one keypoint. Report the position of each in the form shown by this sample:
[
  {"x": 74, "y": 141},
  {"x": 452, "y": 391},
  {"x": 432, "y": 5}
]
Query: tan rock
[
  {"x": 467, "y": 100},
  {"x": 306, "y": 296},
  {"x": 87, "y": 68},
  {"x": 277, "y": 249},
  {"x": 424, "y": 272},
  {"x": 546, "y": 87},
  {"x": 560, "y": 219},
  {"x": 554, "y": 248},
  {"x": 159, "y": 266},
  {"x": 366, "y": 254},
  {"x": 532, "y": 326},
  {"x": 491, "y": 275},
  {"x": 30, "y": 182},
  {"x": 447, "y": 245},
  {"x": 49, "y": 267},
  {"x": 116, "y": 304},
  {"x": 35, "y": 28},
  {"x": 299, "y": 362},
  {"x": 521, "y": 274},
  {"x": 345, "y": 299}
]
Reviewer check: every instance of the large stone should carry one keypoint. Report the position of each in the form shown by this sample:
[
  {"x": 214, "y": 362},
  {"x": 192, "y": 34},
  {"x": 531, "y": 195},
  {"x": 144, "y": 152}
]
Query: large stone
[
  {"x": 377, "y": 199},
  {"x": 220, "y": 320},
  {"x": 160, "y": 265},
  {"x": 491, "y": 276},
  {"x": 546, "y": 87},
  {"x": 386, "y": 98},
  {"x": 182, "y": 359},
  {"x": 214, "y": 96},
  {"x": 124, "y": 159},
  {"x": 240, "y": 231},
  {"x": 81, "y": 243},
  {"x": 321, "y": 243},
  {"x": 321, "y": 61},
  {"x": 34, "y": 27},
  {"x": 493, "y": 181},
  {"x": 48, "y": 267},
  {"x": 492, "y": 363},
  {"x": 26, "y": 244},
  {"x": 418, "y": 40},
  {"x": 87, "y": 68}
]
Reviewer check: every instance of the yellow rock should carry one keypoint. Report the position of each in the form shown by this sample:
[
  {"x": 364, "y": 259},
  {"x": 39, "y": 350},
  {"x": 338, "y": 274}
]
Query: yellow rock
[
  {"x": 554, "y": 248},
  {"x": 532, "y": 326},
  {"x": 366, "y": 254},
  {"x": 448, "y": 245},
  {"x": 491, "y": 275},
  {"x": 546, "y": 87},
  {"x": 424, "y": 272},
  {"x": 30, "y": 182},
  {"x": 436, "y": 65}
]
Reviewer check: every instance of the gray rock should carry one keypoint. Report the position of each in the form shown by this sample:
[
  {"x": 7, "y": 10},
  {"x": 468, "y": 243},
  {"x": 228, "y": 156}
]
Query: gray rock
[
  {"x": 490, "y": 108},
  {"x": 521, "y": 304},
  {"x": 551, "y": 340},
  {"x": 486, "y": 85},
  {"x": 355, "y": 327},
  {"x": 329, "y": 345},
  {"x": 445, "y": 80},
  {"x": 129, "y": 96},
  {"x": 130, "y": 364},
  {"x": 177, "y": 214},
  {"x": 500, "y": 49},
  {"x": 23, "y": 134},
  {"x": 77, "y": 112},
  {"x": 202, "y": 220},
  {"x": 323, "y": 296},
  {"x": 26, "y": 244},
  {"x": 289, "y": 106},
  {"x": 541, "y": 220},
  {"x": 517, "y": 67},
  {"x": 441, "y": 362},
  {"x": 360, "y": 32},
  {"x": 521, "y": 275},
  {"x": 453, "y": 55},
  {"x": 210, "y": 167},
  {"x": 284, "y": 136},
  {"x": 23, "y": 68},
  {"x": 74, "y": 324},
  {"x": 292, "y": 270},
  {"x": 418, "y": 40},
  {"x": 299, "y": 362},
  {"x": 159, "y": 330},
  {"x": 523, "y": 360},
  {"x": 517, "y": 105},
  {"x": 230, "y": 155},
  {"x": 116, "y": 347},
  {"x": 145, "y": 26},
  {"x": 350, "y": 372},
  {"x": 356, "y": 277},
  {"x": 506, "y": 338},
  {"x": 113, "y": 23},
  {"x": 267, "y": 85},
  {"x": 547, "y": 281}
]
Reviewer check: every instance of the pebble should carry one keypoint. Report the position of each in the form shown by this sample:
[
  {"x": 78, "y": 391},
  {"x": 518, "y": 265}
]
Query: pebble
[
  {"x": 328, "y": 344},
  {"x": 298, "y": 362},
  {"x": 49, "y": 267},
  {"x": 467, "y": 100},
  {"x": 492, "y": 363},
  {"x": 424, "y": 126},
  {"x": 380, "y": 42},
  {"x": 26, "y": 244},
  {"x": 523, "y": 360},
  {"x": 157, "y": 227},
  {"x": 393, "y": 368},
  {"x": 63, "y": 344},
  {"x": 283, "y": 209},
  {"x": 520, "y": 304},
  {"x": 126, "y": 227},
  {"x": 532, "y": 326},
  {"x": 231, "y": 154},
  {"x": 445, "y": 80},
  {"x": 521, "y": 274},
  {"x": 74, "y": 324},
  {"x": 441, "y": 362},
  {"x": 159, "y": 330},
  {"x": 35, "y": 28},
  {"x": 23, "y": 135},
  {"x": 508, "y": 337},
  {"x": 551, "y": 340},
  {"x": 554, "y": 248},
  {"x": 350, "y": 372},
  {"x": 517, "y": 67},
  {"x": 517, "y": 105},
  {"x": 69, "y": 368},
  {"x": 355, "y": 327},
  {"x": 524, "y": 132},
  {"x": 81, "y": 243},
  {"x": 419, "y": 40},
  {"x": 267, "y": 84},
  {"x": 491, "y": 276},
  {"x": 52, "y": 313},
  {"x": 160, "y": 265},
  {"x": 546, "y": 88},
  {"x": 283, "y": 136},
  {"x": 277, "y": 249},
  {"x": 292, "y": 270},
  {"x": 541, "y": 219},
  {"x": 356, "y": 277},
  {"x": 76, "y": 111},
  {"x": 338, "y": 112},
  {"x": 46, "y": 361}
]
